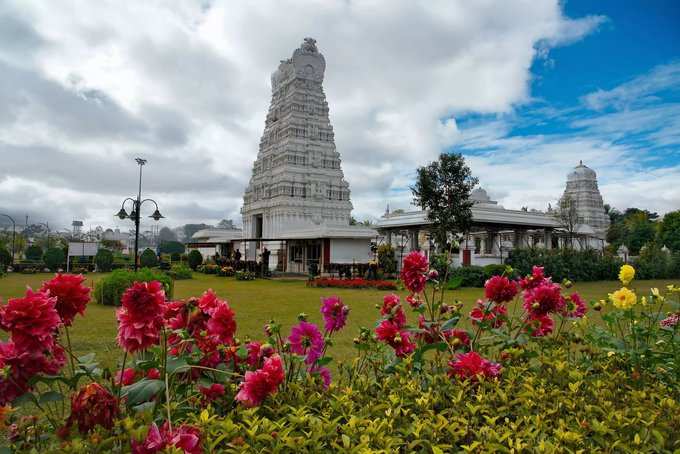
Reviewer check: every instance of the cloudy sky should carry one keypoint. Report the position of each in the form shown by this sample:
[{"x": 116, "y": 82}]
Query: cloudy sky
[{"x": 523, "y": 88}]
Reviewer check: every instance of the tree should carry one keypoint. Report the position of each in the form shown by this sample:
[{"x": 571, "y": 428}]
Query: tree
[
  {"x": 165, "y": 235},
  {"x": 640, "y": 231},
  {"x": 5, "y": 258},
  {"x": 195, "y": 259},
  {"x": 34, "y": 253},
  {"x": 443, "y": 189},
  {"x": 54, "y": 258},
  {"x": 171, "y": 247},
  {"x": 148, "y": 259},
  {"x": 669, "y": 231},
  {"x": 114, "y": 245},
  {"x": 567, "y": 216},
  {"x": 226, "y": 224},
  {"x": 104, "y": 260}
]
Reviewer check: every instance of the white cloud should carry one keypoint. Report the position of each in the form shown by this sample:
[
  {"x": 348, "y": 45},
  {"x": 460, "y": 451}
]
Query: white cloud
[{"x": 191, "y": 83}]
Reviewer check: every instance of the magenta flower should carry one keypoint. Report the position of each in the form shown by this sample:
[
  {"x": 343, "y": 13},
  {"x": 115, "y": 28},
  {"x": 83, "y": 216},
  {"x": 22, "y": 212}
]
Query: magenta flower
[
  {"x": 573, "y": 306},
  {"x": 414, "y": 271},
  {"x": 392, "y": 310},
  {"x": 306, "y": 339},
  {"x": 324, "y": 373},
  {"x": 473, "y": 367},
  {"x": 500, "y": 289},
  {"x": 334, "y": 313}
]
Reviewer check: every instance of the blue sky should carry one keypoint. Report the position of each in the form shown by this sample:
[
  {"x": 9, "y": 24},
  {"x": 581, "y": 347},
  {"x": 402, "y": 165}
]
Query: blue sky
[{"x": 611, "y": 98}]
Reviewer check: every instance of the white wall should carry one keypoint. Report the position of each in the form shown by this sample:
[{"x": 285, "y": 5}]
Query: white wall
[{"x": 350, "y": 251}]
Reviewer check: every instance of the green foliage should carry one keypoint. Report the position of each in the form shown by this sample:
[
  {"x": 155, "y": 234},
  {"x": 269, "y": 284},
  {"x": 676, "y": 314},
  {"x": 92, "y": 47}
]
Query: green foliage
[
  {"x": 175, "y": 257},
  {"x": 195, "y": 259},
  {"x": 244, "y": 275},
  {"x": 54, "y": 258},
  {"x": 386, "y": 259},
  {"x": 586, "y": 265},
  {"x": 5, "y": 257},
  {"x": 634, "y": 228},
  {"x": 443, "y": 189},
  {"x": 669, "y": 231},
  {"x": 469, "y": 276},
  {"x": 148, "y": 259},
  {"x": 109, "y": 289},
  {"x": 33, "y": 252},
  {"x": 653, "y": 263},
  {"x": 104, "y": 260},
  {"x": 494, "y": 269},
  {"x": 440, "y": 262},
  {"x": 180, "y": 271},
  {"x": 172, "y": 247}
]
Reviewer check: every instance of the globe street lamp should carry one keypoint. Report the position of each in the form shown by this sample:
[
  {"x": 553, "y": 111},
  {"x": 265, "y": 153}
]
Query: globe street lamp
[
  {"x": 135, "y": 213},
  {"x": 14, "y": 233}
]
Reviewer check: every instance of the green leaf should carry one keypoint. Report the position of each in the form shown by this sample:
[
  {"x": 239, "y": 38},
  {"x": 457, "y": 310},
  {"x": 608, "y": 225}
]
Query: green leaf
[
  {"x": 176, "y": 364},
  {"x": 86, "y": 359},
  {"x": 455, "y": 283},
  {"x": 418, "y": 355},
  {"x": 323, "y": 361},
  {"x": 50, "y": 396},
  {"x": 141, "y": 408},
  {"x": 450, "y": 323},
  {"x": 22, "y": 399},
  {"x": 142, "y": 391},
  {"x": 242, "y": 352}
]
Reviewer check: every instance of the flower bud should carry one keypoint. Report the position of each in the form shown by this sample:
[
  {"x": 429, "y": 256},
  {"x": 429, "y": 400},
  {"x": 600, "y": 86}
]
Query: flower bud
[
  {"x": 535, "y": 306},
  {"x": 597, "y": 306},
  {"x": 455, "y": 342},
  {"x": 268, "y": 329},
  {"x": 433, "y": 274},
  {"x": 397, "y": 339},
  {"x": 302, "y": 317},
  {"x": 567, "y": 283},
  {"x": 356, "y": 341},
  {"x": 266, "y": 350}
]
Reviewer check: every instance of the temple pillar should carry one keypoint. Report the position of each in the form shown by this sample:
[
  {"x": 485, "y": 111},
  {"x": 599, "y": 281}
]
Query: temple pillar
[
  {"x": 413, "y": 239},
  {"x": 547, "y": 238}
]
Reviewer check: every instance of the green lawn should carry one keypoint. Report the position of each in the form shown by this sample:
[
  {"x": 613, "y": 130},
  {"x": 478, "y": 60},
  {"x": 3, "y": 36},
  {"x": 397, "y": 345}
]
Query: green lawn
[{"x": 256, "y": 302}]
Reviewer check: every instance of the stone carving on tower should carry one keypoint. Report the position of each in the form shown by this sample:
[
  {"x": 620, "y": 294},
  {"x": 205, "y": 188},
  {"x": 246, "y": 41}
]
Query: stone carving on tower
[
  {"x": 584, "y": 193},
  {"x": 297, "y": 181}
]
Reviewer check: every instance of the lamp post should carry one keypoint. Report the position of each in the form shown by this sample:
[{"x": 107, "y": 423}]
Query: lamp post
[
  {"x": 137, "y": 208},
  {"x": 14, "y": 233}
]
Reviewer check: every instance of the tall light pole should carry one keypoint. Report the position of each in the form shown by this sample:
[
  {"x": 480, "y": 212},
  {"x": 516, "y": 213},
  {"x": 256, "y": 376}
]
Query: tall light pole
[
  {"x": 136, "y": 210},
  {"x": 14, "y": 233}
]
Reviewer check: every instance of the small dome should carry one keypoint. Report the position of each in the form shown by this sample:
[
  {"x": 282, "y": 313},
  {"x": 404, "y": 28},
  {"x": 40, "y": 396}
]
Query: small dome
[
  {"x": 582, "y": 172},
  {"x": 479, "y": 195}
]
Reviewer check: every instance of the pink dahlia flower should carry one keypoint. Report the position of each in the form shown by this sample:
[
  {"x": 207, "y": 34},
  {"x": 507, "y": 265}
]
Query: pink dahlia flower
[
  {"x": 414, "y": 271},
  {"x": 500, "y": 289},
  {"x": 144, "y": 300},
  {"x": 305, "y": 339},
  {"x": 256, "y": 386},
  {"x": 32, "y": 320},
  {"x": 71, "y": 293},
  {"x": 212, "y": 392},
  {"x": 670, "y": 321},
  {"x": 334, "y": 313},
  {"x": 535, "y": 279},
  {"x": 540, "y": 325},
  {"x": 392, "y": 310},
  {"x": 473, "y": 367},
  {"x": 137, "y": 334},
  {"x": 184, "y": 438},
  {"x": 400, "y": 340},
  {"x": 573, "y": 306},
  {"x": 222, "y": 324},
  {"x": 324, "y": 373}
]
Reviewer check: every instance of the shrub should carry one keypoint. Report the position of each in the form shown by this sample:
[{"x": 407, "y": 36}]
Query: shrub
[
  {"x": 171, "y": 247},
  {"x": 244, "y": 275},
  {"x": 470, "y": 276},
  {"x": 54, "y": 258},
  {"x": 208, "y": 268},
  {"x": 195, "y": 259},
  {"x": 494, "y": 269},
  {"x": 148, "y": 259},
  {"x": 180, "y": 272},
  {"x": 357, "y": 283},
  {"x": 104, "y": 260},
  {"x": 5, "y": 258},
  {"x": 34, "y": 253},
  {"x": 586, "y": 265},
  {"x": 387, "y": 259},
  {"x": 109, "y": 289},
  {"x": 175, "y": 257},
  {"x": 441, "y": 263},
  {"x": 653, "y": 263}
]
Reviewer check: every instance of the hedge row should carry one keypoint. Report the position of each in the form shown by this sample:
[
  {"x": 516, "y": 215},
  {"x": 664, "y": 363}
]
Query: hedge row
[
  {"x": 108, "y": 290},
  {"x": 581, "y": 266}
]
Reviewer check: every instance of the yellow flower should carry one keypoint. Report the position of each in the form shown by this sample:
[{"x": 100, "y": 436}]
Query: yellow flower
[
  {"x": 623, "y": 298},
  {"x": 643, "y": 301},
  {"x": 626, "y": 274}
]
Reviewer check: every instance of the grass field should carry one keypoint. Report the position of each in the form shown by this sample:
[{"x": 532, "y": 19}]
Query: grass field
[{"x": 256, "y": 302}]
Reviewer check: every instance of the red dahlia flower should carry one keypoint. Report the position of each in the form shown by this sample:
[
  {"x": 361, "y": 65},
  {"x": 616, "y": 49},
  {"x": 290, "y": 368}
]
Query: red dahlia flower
[
  {"x": 500, "y": 289},
  {"x": 391, "y": 310},
  {"x": 125, "y": 377},
  {"x": 334, "y": 313},
  {"x": 32, "y": 320},
  {"x": 306, "y": 339},
  {"x": 544, "y": 299},
  {"x": 91, "y": 406},
  {"x": 256, "y": 386},
  {"x": 144, "y": 300},
  {"x": 414, "y": 271},
  {"x": 392, "y": 334},
  {"x": 492, "y": 313},
  {"x": 540, "y": 325},
  {"x": 535, "y": 279},
  {"x": 135, "y": 335},
  {"x": 212, "y": 392},
  {"x": 473, "y": 367},
  {"x": 71, "y": 293},
  {"x": 222, "y": 324}
]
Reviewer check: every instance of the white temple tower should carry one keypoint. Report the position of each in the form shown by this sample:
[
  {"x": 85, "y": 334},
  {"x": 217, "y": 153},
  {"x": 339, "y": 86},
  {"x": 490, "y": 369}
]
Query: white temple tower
[
  {"x": 583, "y": 190},
  {"x": 297, "y": 182}
]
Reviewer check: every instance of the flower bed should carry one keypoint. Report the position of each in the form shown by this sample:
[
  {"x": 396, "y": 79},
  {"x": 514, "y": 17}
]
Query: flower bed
[
  {"x": 351, "y": 283},
  {"x": 529, "y": 368}
]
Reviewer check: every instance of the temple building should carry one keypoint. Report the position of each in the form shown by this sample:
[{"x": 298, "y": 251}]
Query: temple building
[
  {"x": 496, "y": 230},
  {"x": 297, "y": 204},
  {"x": 582, "y": 191}
]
